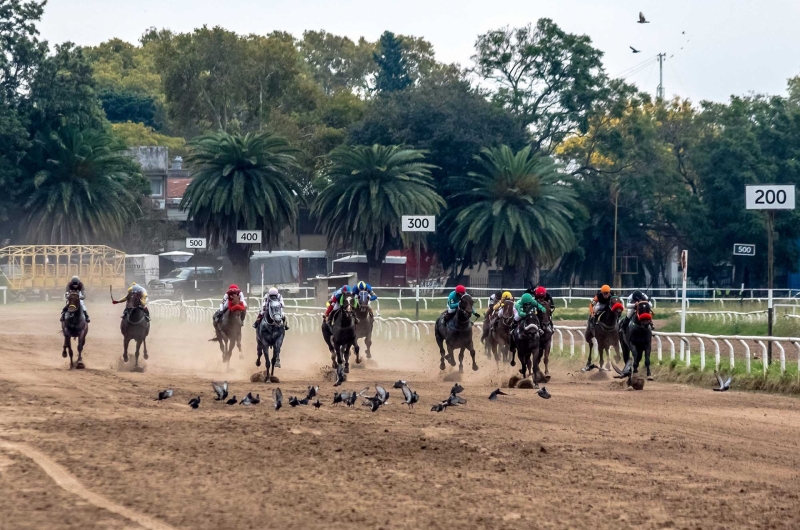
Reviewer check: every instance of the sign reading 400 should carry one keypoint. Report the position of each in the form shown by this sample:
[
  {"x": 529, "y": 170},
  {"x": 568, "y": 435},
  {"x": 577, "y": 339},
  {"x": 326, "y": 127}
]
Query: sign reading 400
[{"x": 248, "y": 237}]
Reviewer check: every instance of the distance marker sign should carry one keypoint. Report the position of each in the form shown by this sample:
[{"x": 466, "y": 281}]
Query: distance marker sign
[
  {"x": 744, "y": 249},
  {"x": 418, "y": 223},
  {"x": 248, "y": 237},
  {"x": 769, "y": 197}
]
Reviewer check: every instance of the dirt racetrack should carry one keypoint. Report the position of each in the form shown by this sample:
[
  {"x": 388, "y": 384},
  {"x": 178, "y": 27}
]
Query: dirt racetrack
[{"x": 91, "y": 449}]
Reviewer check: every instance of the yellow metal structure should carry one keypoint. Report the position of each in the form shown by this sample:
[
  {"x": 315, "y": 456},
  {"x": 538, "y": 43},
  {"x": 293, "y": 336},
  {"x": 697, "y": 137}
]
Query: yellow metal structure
[{"x": 50, "y": 267}]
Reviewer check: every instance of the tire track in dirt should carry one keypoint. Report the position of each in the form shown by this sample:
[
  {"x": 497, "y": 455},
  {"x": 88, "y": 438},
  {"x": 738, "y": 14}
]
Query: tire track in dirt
[{"x": 66, "y": 481}]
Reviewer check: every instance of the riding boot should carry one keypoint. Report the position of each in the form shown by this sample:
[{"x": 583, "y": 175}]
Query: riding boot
[
  {"x": 146, "y": 313},
  {"x": 125, "y": 313},
  {"x": 257, "y": 322},
  {"x": 86, "y": 315},
  {"x": 63, "y": 315},
  {"x": 285, "y": 325}
]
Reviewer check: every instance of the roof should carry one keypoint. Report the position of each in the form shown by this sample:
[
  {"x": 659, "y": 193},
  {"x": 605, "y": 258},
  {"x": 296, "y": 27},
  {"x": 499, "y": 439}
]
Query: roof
[
  {"x": 176, "y": 187},
  {"x": 263, "y": 254},
  {"x": 391, "y": 260}
]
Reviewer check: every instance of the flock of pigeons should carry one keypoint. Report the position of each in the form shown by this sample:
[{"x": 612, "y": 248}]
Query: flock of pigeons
[{"x": 381, "y": 397}]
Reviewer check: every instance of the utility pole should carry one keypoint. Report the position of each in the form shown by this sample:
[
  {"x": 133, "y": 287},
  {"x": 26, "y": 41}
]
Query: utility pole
[
  {"x": 616, "y": 278},
  {"x": 660, "y": 90}
]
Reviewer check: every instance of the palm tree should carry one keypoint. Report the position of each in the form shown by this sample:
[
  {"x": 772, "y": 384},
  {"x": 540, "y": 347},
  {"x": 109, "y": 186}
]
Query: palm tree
[
  {"x": 516, "y": 211},
  {"x": 369, "y": 190},
  {"x": 240, "y": 183},
  {"x": 85, "y": 188}
]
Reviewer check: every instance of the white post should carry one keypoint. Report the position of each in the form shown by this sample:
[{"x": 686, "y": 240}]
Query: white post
[{"x": 685, "y": 263}]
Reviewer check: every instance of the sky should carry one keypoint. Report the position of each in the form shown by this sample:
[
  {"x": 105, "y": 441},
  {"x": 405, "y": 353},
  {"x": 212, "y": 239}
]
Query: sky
[{"x": 730, "y": 47}]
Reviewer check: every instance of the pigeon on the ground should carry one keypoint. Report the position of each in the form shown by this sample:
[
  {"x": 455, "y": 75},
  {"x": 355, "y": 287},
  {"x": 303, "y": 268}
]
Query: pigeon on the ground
[
  {"x": 399, "y": 384},
  {"x": 246, "y": 400},
  {"x": 194, "y": 402},
  {"x": 317, "y": 404},
  {"x": 634, "y": 50},
  {"x": 723, "y": 385},
  {"x": 255, "y": 400},
  {"x": 313, "y": 391},
  {"x": 373, "y": 403},
  {"x": 231, "y": 401},
  {"x": 410, "y": 397},
  {"x": 495, "y": 393},
  {"x": 339, "y": 398},
  {"x": 457, "y": 389},
  {"x": 353, "y": 396},
  {"x": 277, "y": 398},
  {"x": 221, "y": 389},
  {"x": 642, "y": 20},
  {"x": 381, "y": 393},
  {"x": 543, "y": 393},
  {"x": 339, "y": 375},
  {"x": 293, "y": 401},
  {"x": 454, "y": 400},
  {"x": 589, "y": 368},
  {"x": 164, "y": 394},
  {"x": 303, "y": 401},
  {"x": 439, "y": 407}
]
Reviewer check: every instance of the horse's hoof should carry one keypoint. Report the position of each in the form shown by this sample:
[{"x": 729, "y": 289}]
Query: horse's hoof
[
  {"x": 451, "y": 360},
  {"x": 650, "y": 378},
  {"x": 258, "y": 362},
  {"x": 441, "y": 365},
  {"x": 146, "y": 356},
  {"x": 369, "y": 355},
  {"x": 64, "y": 354},
  {"x": 513, "y": 363},
  {"x": 277, "y": 363},
  {"x": 79, "y": 365},
  {"x": 547, "y": 373},
  {"x": 125, "y": 357},
  {"x": 358, "y": 360},
  {"x": 461, "y": 369},
  {"x": 474, "y": 367},
  {"x": 347, "y": 368}
]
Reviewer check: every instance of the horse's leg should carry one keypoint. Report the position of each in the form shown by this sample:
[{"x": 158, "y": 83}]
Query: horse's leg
[
  {"x": 239, "y": 346},
  {"x": 144, "y": 345},
  {"x": 471, "y": 348},
  {"x": 461, "y": 361},
  {"x": 547, "y": 357},
  {"x": 259, "y": 352},
  {"x": 136, "y": 361},
  {"x": 636, "y": 354},
  {"x": 358, "y": 351},
  {"x": 68, "y": 348},
  {"x": 346, "y": 358},
  {"x": 440, "y": 343},
  {"x": 81, "y": 342},
  {"x": 125, "y": 342},
  {"x": 588, "y": 340},
  {"x": 276, "y": 351},
  {"x": 66, "y": 344}
]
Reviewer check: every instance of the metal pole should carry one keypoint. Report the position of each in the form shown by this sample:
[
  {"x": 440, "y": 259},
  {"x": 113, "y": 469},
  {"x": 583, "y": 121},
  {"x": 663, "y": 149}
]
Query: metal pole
[
  {"x": 660, "y": 89},
  {"x": 616, "y": 211},
  {"x": 770, "y": 264},
  {"x": 195, "y": 277},
  {"x": 685, "y": 263},
  {"x": 418, "y": 250}
]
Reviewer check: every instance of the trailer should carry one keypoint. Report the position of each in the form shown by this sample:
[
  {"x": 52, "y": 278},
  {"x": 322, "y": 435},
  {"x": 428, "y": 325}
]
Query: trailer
[{"x": 42, "y": 271}]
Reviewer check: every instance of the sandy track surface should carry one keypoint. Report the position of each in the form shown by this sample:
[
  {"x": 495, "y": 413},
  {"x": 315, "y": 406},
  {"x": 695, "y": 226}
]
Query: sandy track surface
[{"x": 91, "y": 449}]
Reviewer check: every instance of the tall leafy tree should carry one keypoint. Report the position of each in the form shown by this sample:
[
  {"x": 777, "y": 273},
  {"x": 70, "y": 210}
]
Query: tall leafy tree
[
  {"x": 240, "y": 182},
  {"x": 85, "y": 188},
  {"x": 393, "y": 74},
  {"x": 369, "y": 189},
  {"x": 547, "y": 77},
  {"x": 515, "y": 212}
]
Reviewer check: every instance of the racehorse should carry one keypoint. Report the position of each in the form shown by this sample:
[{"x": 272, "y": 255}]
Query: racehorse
[
  {"x": 270, "y": 334},
  {"x": 365, "y": 322},
  {"x": 135, "y": 327},
  {"x": 546, "y": 339},
  {"x": 528, "y": 341},
  {"x": 457, "y": 333},
  {"x": 637, "y": 339},
  {"x": 500, "y": 332},
  {"x": 74, "y": 326},
  {"x": 340, "y": 335},
  {"x": 229, "y": 329},
  {"x": 606, "y": 331}
]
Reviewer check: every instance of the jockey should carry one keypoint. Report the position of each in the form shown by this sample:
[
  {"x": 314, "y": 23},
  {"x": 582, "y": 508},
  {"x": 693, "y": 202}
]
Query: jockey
[
  {"x": 544, "y": 298},
  {"x": 635, "y": 297},
  {"x": 499, "y": 305},
  {"x": 273, "y": 295},
  {"x": 128, "y": 300},
  {"x": 453, "y": 302},
  {"x": 365, "y": 287},
  {"x": 75, "y": 284},
  {"x": 601, "y": 301},
  {"x": 336, "y": 302},
  {"x": 226, "y": 302},
  {"x": 522, "y": 309}
]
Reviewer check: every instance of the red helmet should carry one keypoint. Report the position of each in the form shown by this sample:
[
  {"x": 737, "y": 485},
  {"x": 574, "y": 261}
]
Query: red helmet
[
  {"x": 540, "y": 291},
  {"x": 233, "y": 287},
  {"x": 460, "y": 289}
]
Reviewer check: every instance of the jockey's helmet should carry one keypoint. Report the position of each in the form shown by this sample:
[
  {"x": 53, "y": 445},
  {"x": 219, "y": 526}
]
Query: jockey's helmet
[
  {"x": 362, "y": 286},
  {"x": 605, "y": 289},
  {"x": 507, "y": 296},
  {"x": 526, "y": 299},
  {"x": 638, "y": 295},
  {"x": 345, "y": 289},
  {"x": 460, "y": 289},
  {"x": 75, "y": 279},
  {"x": 540, "y": 292},
  {"x": 273, "y": 291},
  {"x": 233, "y": 287}
]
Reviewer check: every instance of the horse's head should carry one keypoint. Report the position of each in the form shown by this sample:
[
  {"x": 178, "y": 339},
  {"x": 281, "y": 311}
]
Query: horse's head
[
  {"x": 363, "y": 300},
  {"x": 73, "y": 301},
  {"x": 465, "y": 305},
  {"x": 644, "y": 312},
  {"x": 529, "y": 325},
  {"x": 508, "y": 308},
  {"x": 274, "y": 312},
  {"x": 347, "y": 303}
]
